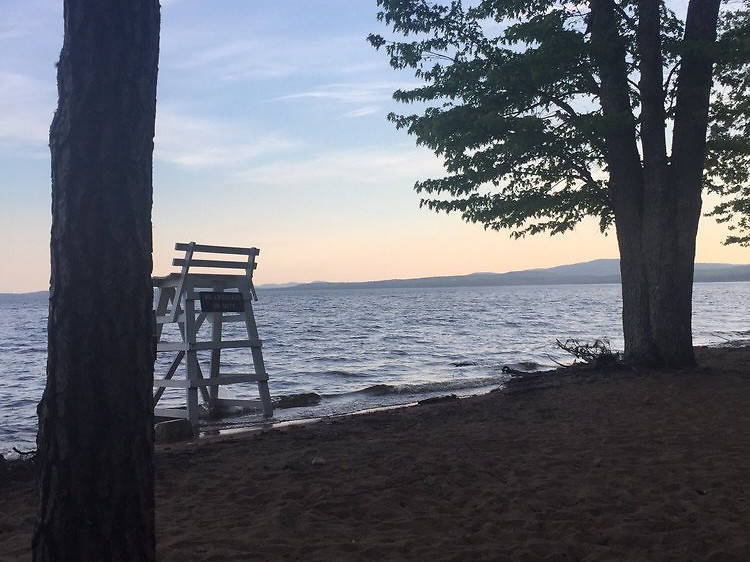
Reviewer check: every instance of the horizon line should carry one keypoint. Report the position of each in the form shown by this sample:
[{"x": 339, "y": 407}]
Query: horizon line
[{"x": 289, "y": 284}]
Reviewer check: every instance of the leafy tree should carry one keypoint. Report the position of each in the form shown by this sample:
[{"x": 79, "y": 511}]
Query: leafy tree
[
  {"x": 547, "y": 111},
  {"x": 728, "y": 161},
  {"x": 95, "y": 441}
]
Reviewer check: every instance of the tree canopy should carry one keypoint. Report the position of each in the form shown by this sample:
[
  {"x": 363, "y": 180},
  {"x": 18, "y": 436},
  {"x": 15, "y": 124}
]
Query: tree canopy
[{"x": 512, "y": 94}]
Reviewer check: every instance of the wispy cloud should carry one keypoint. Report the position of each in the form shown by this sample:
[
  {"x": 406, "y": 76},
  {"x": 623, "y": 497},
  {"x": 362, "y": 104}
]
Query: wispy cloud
[
  {"x": 26, "y": 109},
  {"x": 274, "y": 57},
  {"x": 354, "y": 92},
  {"x": 361, "y": 112},
  {"x": 342, "y": 170},
  {"x": 198, "y": 142},
  {"x": 236, "y": 60}
]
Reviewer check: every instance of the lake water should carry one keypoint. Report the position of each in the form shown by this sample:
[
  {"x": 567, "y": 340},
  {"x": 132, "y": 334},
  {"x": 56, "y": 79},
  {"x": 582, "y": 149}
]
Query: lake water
[{"x": 367, "y": 348}]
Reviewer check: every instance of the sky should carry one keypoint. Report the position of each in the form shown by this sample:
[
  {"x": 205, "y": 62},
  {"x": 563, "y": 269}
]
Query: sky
[{"x": 271, "y": 132}]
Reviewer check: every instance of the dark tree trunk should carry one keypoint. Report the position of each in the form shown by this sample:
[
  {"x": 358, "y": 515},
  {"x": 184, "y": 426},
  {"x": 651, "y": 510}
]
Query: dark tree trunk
[
  {"x": 656, "y": 202},
  {"x": 95, "y": 440},
  {"x": 673, "y": 192},
  {"x": 626, "y": 184},
  {"x": 668, "y": 316},
  {"x": 673, "y": 239}
]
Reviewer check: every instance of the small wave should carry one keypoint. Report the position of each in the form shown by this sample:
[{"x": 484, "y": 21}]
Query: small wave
[
  {"x": 397, "y": 337},
  {"x": 337, "y": 373},
  {"x": 331, "y": 359},
  {"x": 525, "y": 366},
  {"x": 427, "y": 387},
  {"x": 341, "y": 373},
  {"x": 296, "y": 400},
  {"x": 464, "y": 364},
  {"x": 31, "y": 349},
  {"x": 378, "y": 390},
  {"x": 22, "y": 348}
]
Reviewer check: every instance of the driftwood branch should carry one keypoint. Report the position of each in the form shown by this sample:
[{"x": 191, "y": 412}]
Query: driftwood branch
[
  {"x": 24, "y": 453},
  {"x": 598, "y": 352}
]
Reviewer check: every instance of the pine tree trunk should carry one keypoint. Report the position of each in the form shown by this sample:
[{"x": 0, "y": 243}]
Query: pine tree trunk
[{"x": 95, "y": 440}]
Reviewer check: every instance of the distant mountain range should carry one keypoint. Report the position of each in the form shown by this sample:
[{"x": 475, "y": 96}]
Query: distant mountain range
[
  {"x": 591, "y": 272},
  {"x": 12, "y": 297}
]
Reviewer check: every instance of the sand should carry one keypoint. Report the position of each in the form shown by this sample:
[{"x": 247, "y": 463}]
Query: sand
[{"x": 598, "y": 466}]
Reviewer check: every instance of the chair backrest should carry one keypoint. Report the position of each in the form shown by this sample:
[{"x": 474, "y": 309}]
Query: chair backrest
[{"x": 188, "y": 261}]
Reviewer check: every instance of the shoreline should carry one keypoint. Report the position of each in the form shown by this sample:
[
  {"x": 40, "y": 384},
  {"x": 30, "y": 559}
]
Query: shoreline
[
  {"x": 518, "y": 381},
  {"x": 587, "y": 465},
  {"x": 376, "y": 345}
]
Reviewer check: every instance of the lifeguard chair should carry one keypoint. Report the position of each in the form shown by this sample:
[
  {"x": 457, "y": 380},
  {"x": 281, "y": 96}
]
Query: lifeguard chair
[{"x": 189, "y": 299}]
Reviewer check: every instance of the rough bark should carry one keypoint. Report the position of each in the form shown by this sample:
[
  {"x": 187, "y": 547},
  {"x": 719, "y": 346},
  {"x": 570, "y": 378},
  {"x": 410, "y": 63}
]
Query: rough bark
[
  {"x": 673, "y": 189},
  {"x": 626, "y": 180},
  {"x": 674, "y": 242},
  {"x": 659, "y": 221},
  {"x": 95, "y": 440},
  {"x": 656, "y": 202}
]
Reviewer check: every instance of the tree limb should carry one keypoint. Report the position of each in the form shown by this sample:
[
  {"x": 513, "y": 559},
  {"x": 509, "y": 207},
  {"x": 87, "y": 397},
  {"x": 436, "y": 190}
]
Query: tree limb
[
  {"x": 693, "y": 92},
  {"x": 652, "y": 96}
]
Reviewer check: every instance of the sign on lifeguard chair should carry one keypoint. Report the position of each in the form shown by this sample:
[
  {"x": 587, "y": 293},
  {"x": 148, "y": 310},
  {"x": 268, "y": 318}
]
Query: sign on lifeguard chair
[{"x": 189, "y": 300}]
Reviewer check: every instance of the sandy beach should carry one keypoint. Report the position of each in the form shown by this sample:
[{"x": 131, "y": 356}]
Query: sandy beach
[{"x": 596, "y": 466}]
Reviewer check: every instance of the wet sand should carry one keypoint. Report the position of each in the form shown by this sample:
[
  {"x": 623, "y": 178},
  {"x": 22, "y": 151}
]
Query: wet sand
[{"x": 593, "y": 466}]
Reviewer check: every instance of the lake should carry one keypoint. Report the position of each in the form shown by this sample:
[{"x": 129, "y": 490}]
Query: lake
[{"x": 365, "y": 348}]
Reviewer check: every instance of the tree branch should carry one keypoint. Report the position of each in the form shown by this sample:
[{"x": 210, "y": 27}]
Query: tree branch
[
  {"x": 652, "y": 96},
  {"x": 439, "y": 55},
  {"x": 637, "y": 86},
  {"x": 623, "y": 159},
  {"x": 628, "y": 19},
  {"x": 693, "y": 93},
  {"x": 562, "y": 104},
  {"x": 670, "y": 75}
]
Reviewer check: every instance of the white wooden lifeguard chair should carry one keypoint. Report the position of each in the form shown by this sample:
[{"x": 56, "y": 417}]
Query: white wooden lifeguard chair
[{"x": 190, "y": 299}]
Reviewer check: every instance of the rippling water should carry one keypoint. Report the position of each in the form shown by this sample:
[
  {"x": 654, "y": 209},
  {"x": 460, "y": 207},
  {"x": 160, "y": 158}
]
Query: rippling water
[{"x": 364, "y": 348}]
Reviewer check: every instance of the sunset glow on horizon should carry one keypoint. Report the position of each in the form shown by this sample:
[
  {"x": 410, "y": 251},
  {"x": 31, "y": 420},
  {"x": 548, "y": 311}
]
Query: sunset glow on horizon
[{"x": 271, "y": 132}]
